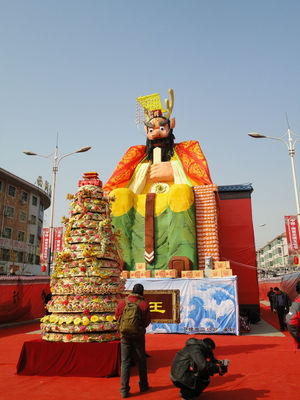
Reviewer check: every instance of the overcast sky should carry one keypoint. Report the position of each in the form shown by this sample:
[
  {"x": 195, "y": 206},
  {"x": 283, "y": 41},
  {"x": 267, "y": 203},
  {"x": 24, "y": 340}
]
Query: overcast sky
[{"x": 76, "y": 67}]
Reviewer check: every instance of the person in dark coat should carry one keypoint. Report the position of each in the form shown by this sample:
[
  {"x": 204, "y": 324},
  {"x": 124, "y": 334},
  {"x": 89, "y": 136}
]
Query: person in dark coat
[
  {"x": 293, "y": 318},
  {"x": 134, "y": 346},
  {"x": 281, "y": 304},
  {"x": 47, "y": 298},
  {"x": 192, "y": 367},
  {"x": 270, "y": 295}
]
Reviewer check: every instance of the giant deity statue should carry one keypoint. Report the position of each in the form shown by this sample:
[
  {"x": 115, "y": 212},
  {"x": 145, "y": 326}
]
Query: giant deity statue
[{"x": 153, "y": 204}]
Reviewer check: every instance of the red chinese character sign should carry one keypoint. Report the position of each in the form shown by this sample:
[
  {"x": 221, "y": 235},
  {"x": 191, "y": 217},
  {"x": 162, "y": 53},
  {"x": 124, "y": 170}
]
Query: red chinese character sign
[
  {"x": 45, "y": 244},
  {"x": 57, "y": 241},
  {"x": 292, "y": 234}
]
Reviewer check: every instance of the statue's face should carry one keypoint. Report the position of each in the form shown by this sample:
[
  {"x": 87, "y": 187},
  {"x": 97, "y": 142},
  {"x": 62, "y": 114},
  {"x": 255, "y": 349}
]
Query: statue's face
[{"x": 157, "y": 128}]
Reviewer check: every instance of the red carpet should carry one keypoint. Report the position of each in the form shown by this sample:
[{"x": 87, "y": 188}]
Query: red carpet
[{"x": 261, "y": 368}]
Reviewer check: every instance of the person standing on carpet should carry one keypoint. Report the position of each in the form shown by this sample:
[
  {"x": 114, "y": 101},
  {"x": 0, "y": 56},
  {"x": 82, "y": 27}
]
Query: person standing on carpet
[
  {"x": 193, "y": 365},
  {"x": 293, "y": 318},
  {"x": 133, "y": 315},
  {"x": 281, "y": 304},
  {"x": 270, "y": 295}
]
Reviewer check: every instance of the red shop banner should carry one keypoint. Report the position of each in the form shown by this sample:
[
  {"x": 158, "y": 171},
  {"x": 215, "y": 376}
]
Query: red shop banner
[
  {"x": 45, "y": 244},
  {"x": 57, "y": 241},
  {"x": 292, "y": 234}
]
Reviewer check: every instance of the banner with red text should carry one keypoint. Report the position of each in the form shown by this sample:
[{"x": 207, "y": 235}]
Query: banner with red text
[
  {"x": 45, "y": 245},
  {"x": 57, "y": 241},
  {"x": 292, "y": 234}
]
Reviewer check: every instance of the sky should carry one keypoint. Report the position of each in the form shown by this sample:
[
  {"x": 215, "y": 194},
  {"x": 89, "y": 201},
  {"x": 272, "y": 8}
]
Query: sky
[{"x": 71, "y": 71}]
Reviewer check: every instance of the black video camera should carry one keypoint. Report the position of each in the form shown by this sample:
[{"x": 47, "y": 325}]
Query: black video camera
[{"x": 223, "y": 364}]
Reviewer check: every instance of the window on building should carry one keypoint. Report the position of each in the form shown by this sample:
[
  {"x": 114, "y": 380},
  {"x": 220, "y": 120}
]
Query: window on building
[
  {"x": 31, "y": 239},
  {"x": 41, "y": 212},
  {"x": 20, "y": 256},
  {"x": 37, "y": 260},
  {"x": 32, "y": 219},
  {"x": 24, "y": 197},
  {"x": 39, "y": 232},
  {"x": 30, "y": 258},
  {"x": 7, "y": 233},
  {"x": 22, "y": 216},
  {"x": 9, "y": 211},
  {"x": 21, "y": 236},
  {"x": 5, "y": 255},
  {"x": 34, "y": 200},
  {"x": 11, "y": 191}
]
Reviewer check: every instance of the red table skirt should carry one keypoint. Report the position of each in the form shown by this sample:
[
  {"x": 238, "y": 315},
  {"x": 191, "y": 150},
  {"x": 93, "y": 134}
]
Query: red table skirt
[{"x": 39, "y": 357}]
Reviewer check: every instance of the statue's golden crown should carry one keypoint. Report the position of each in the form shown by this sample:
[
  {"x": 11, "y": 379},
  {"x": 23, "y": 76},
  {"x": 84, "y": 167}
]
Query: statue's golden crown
[{"x": 150, "y": 106}]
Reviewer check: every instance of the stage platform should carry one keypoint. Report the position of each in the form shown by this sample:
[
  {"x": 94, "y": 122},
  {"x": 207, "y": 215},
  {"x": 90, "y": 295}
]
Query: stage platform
[{"x": 39, "y": 357}]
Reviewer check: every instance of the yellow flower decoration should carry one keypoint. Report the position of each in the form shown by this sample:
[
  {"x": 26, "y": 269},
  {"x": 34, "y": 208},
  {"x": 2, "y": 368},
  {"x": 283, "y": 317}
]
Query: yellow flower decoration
[
  {"x": 110, "y": 318},
  {"x": 52, "y": 318},
  {"x": 85, "y": 321},
  {"x": 77, "y": 321},
  {"x": 94, "y": 318},
  {"x": 61, "y": 321},
  {"x": 96, "y": 300},
  {"x": 69, "y": 320}
]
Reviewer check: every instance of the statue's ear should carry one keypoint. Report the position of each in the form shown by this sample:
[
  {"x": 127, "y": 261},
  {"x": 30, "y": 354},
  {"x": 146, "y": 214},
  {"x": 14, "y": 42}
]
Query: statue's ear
[
  {"x": 172, "y": 123},
  {"x": 146, "y": 129}
]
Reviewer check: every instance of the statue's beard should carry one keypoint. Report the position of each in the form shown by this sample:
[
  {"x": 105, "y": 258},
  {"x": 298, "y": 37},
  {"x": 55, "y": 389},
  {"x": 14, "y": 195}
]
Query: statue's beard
[{"x": 166, "y": 144}]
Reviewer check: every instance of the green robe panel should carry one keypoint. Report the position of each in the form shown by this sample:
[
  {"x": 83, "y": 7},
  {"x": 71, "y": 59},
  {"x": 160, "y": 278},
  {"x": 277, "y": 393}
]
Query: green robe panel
[{"x": 174, "y": 235}]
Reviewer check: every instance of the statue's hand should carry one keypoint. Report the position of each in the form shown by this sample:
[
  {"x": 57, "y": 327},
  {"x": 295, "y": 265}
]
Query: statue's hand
[{"x": 160, "y": 172}]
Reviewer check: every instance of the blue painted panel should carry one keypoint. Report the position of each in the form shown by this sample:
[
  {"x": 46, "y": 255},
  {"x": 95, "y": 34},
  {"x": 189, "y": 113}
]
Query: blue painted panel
[{"x": 208, "y": 306}]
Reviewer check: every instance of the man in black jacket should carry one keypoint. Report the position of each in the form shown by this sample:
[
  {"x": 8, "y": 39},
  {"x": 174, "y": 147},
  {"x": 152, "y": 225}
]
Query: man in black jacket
[
  {"x": 192, "y": 367},
  {"x": 281, "y": 304}
]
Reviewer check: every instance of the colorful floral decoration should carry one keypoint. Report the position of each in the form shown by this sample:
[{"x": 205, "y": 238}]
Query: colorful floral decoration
[{"x": 86, "y": 285}]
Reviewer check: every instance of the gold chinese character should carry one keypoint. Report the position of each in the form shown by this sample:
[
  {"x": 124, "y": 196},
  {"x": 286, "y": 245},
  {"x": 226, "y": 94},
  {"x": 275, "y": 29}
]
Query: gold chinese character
[{"x": 155, "y": 306}]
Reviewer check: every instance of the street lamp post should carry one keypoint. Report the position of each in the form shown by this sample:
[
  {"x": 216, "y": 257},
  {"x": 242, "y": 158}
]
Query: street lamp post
[
  {"x": 56, "y": 161},
  {"x": 291, "y": 148}
]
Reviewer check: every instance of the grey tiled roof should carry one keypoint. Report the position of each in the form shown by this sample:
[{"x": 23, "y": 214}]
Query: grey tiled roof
[{"x": 243, "y": 187}]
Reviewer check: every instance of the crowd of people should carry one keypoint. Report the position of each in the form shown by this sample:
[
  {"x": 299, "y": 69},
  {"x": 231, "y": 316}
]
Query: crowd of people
[{"x": 288, "y": 313}]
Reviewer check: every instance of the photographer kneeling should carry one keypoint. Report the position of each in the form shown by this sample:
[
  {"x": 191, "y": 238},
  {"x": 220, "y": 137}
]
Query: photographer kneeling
[{"x": 193, "y": 365}]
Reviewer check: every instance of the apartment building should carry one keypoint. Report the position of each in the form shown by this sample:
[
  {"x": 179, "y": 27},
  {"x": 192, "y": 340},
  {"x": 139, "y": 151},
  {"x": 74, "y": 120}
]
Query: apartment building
[
  {"x": 273, "y": 258},
  {"x": 22, "y": 207}
]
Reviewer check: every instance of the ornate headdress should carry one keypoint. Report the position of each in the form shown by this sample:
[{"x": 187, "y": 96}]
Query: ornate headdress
[{"x": 150, "y": 106}]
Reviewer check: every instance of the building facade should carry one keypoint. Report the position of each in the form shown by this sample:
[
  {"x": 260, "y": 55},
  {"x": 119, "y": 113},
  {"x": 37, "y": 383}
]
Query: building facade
[
  {"x": 273, "y": 258},
  {"x": 22, "y": 207}
]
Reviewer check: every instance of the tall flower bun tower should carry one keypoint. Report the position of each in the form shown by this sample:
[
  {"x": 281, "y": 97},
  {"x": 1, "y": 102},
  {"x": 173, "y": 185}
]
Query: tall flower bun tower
[{"x": 87, "y": 283}]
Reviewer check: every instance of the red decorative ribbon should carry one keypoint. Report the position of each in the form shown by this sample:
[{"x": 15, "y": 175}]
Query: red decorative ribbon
[{"x": 149, "y": 227}]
